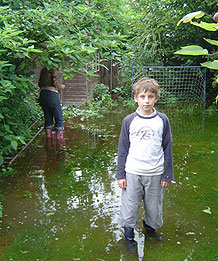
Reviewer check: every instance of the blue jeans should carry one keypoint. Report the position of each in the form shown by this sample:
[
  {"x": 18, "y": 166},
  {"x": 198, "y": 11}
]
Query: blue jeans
[{"x": 51, "y": 106}]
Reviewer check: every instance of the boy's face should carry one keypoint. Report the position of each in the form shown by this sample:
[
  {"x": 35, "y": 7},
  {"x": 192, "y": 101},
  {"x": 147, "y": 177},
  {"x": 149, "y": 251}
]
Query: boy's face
[{"x": 146, "y": 101}]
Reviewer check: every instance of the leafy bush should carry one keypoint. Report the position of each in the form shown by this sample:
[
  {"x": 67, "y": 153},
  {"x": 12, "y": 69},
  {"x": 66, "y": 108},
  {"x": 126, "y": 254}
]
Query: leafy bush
[
  {"x": 102, "y": 101},
  {"x": 100, "y": 91},
  {"x": 53, "y": 33}
]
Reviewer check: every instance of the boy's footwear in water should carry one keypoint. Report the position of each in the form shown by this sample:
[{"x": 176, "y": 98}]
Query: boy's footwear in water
[
  {"x": 129, "y": 233},
  {"x": 131, "y": 244},
  {"x": 152, "y": 233}
]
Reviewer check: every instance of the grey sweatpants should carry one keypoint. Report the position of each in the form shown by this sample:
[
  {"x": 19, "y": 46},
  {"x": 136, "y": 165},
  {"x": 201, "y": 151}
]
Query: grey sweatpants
[{"x": 148, "y": 189}]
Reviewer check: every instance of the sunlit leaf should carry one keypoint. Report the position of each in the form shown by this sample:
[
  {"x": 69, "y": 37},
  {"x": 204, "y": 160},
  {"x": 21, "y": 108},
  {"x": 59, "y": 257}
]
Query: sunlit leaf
[
  {"x": 14, "y": 144},
  {"x": 35, "y": 51},
  {"x": 21, "y": 139},
  {"x": 206, "y": 26},
  {"x": 192, "y": 50},
  {"x": 190, "y": 16},
  {"x": 27, "y": 194},
  {"x": 213, "y": 42},
  {"x": 207, "y": 211},
  {"x": 211, "y": 65},
  {"x": 3, "y": 98},
  {"x": 24, "y": 252},
  {"x": 50, "y": 214}
]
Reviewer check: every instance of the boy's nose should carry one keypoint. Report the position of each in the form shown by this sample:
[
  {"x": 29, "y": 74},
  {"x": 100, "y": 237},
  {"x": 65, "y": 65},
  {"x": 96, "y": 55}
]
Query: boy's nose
[{"x": 146, "y": 99}]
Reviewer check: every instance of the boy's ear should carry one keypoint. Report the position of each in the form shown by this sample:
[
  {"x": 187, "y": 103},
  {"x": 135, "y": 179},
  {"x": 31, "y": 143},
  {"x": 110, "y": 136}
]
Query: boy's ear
[{"x": 135, "y": 99}]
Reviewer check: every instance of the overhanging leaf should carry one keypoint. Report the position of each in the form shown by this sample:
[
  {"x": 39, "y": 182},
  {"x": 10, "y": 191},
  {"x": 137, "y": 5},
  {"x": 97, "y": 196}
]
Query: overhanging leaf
[
  {"x": 211, "y": 65},
  {"x": 206, "y": 26},
  {"x": 213, "y": 42},
  {"x": 192, "y": 50},
  {"x": 190, "y": 16},
  {"x": 34, "y": 50}
]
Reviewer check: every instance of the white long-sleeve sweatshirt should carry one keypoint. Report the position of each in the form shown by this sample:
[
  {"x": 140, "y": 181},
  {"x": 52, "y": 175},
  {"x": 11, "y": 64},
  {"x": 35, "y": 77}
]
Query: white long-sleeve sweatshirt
[{"x": 145, "y": 146}]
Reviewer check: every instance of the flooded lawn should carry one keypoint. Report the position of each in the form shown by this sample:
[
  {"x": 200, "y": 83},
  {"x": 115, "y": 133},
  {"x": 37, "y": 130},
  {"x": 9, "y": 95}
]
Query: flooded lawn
[{"x": 63, "y": 203}]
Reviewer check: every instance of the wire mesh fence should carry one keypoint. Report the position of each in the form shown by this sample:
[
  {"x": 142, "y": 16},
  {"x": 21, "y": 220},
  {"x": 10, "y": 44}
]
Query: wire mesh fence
[
  {"x": 182, "y": 98},
  {"x": 178, "y": 84}
]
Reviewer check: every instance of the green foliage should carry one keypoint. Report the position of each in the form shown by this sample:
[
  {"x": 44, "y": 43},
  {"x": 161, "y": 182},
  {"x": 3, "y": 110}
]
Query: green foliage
[
  {"x": 67, "y": 34},
  {"x": 71, "y": 33},
  {"x": 198, "y": 50},
  {"x": 85, "y": 112},
  {"x": 122, "y": 93},
  {"x": 212, "y": 110},
  {"x": 95, "y": 109},
  {"x": 6, "y": 171},
  {"x": 27, "y": 194},
  {"x": 154, "y": 36},
  {"x": 16, "y": 108},
  {"x": 154, "y": 32},
  {"x": 192, "y": 50},
  {"x": 100, "y": 91}
]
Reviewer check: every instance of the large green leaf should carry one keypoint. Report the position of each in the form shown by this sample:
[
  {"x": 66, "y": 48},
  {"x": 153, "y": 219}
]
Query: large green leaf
[
  {"x": 14, "y": 144},
  {"x": 187, "y": 18},
  {"x": 213, "y": 42},
  {"x": 211, "y": 65},
  {"x": 206, "y": 26},
  {"x": 192, "y": 50}
]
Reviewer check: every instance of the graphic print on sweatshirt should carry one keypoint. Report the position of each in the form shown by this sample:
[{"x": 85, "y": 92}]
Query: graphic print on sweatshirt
[
  {"x": 145, "y": 133},
  {"x": 145, "y": 155}
]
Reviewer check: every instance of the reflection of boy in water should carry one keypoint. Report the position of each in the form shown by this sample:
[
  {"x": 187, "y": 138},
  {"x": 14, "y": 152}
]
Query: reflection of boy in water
[{"x": 145, "y": 165}]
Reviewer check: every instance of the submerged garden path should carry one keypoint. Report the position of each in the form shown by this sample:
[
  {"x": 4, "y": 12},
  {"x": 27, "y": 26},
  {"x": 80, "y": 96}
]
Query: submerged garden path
[{"x": 63, "y": 203}]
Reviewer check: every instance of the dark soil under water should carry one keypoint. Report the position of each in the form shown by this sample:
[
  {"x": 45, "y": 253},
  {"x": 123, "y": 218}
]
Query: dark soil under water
[{"x": 63, "y": 202}]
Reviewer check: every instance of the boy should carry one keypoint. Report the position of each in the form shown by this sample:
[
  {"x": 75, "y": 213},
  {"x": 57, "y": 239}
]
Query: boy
[{"x": 145, "y": 165}]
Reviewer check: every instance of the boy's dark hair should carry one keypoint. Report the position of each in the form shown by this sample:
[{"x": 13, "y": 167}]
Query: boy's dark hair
[
  {"x": 146, "y": 84},
  {"x": 46, "y": 77}
]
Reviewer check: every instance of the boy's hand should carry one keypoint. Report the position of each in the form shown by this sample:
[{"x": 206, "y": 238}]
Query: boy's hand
[
  {"x": 165, "y": 184},
  {"x": 122, "y": 183}
]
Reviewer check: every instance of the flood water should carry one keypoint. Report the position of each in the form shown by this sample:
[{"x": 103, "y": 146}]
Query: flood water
[{"x": 63, "y": 203}]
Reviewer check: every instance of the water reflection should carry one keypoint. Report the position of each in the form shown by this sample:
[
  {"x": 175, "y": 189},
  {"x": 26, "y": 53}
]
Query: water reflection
[{"x": 74, "y": 205}]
